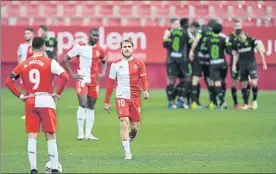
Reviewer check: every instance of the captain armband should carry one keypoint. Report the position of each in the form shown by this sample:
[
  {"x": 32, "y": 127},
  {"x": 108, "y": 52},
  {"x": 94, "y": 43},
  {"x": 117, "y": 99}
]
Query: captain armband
[{"x": 14, "y": 76}]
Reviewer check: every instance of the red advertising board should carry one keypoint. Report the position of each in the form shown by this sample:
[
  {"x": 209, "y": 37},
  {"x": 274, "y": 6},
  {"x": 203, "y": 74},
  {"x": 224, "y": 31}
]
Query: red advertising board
[{"x": 148, "y": 41}]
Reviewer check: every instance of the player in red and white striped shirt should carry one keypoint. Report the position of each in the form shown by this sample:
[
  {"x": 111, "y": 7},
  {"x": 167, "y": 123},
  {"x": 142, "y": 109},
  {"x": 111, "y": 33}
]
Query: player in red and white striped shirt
[
  {"x": 128, "y": 72},
  {"x": 37, "y": 74},
  {"x": 25, "y": 48},
  {"x": 87, "y": 76}
]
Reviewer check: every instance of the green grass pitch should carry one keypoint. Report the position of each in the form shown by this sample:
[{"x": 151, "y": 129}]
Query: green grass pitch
[{"x": 169, "y": 140}]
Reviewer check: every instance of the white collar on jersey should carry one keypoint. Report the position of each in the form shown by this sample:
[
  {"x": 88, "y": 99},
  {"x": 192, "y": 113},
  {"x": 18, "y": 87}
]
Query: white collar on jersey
[
  {"x": 38, "y": 55},
  {"x": 127, "y": 59}
]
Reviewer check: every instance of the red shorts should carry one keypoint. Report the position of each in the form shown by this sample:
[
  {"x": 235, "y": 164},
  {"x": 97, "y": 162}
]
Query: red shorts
[
  {"x": 35, "y": 117},
  {"x": 129, "y": 108},
  {"x": 83, "y": 89}
]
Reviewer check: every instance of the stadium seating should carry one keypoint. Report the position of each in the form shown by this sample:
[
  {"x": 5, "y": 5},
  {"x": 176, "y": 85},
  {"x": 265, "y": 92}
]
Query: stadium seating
[
  {"x": 113, "y": 22},
  {"x": 88, "y": 9},
  {"x": 69, "y": 9},
  {"x": 77, "y": 21},
  {"x": 150, "y": 12},
  {"x": 143, "y": 10},
  {"x": 201, "y": 10},
  {"x": 51, "y": 10},
  {"x": 106, "y": 10},
  {"x": 182, "y": 10},
  {"x": 124, "y": 10}
]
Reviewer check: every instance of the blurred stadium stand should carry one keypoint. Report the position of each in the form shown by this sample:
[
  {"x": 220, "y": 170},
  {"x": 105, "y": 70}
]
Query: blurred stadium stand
[{"x": 134, "y": 13}]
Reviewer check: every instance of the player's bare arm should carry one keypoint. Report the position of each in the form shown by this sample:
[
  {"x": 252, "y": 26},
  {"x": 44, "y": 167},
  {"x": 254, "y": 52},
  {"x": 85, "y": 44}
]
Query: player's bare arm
[
  {"x": 109, "y": 89},
  {"x": 69, "y": 69},
  {"x": 167, "y": 34},
  {"x": 194, "y": 45},
  {"x": 64, "y": 78},
  {"x": 19, "y": 54},
  {"x": 103, "y": 68},
  {"x": 108, "y": 95},
  {"x": 235, "y": 60},
  {"x": 10, "y": 83},
  {"x": 144, "y": 80},
  {"x": 261, "y": 52}
]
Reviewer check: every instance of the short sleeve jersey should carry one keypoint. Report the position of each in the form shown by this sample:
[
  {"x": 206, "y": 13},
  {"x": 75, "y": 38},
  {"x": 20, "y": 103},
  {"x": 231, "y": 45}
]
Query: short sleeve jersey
[
  {"x": 246, "y": 50},
  {"x": 127, "y": 73},
  {"x": 88, "y": 61}
]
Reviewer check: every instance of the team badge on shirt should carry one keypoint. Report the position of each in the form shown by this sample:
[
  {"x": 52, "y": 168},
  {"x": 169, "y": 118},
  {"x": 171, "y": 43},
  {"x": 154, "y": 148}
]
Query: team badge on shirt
[
  {"x": 97, "y": 53},
  {"x": 51, "y": 42},
  {"x": 135, "y": 66}
]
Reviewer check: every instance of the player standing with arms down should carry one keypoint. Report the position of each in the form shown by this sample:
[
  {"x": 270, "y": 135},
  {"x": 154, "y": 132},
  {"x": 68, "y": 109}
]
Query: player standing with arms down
[
  {"x": 37, "y": 75},
  {"x": 175, "y": 23},
  {"x": 234, "y": 75},
  {"x": 50, "y": 43},
  {"x": 127, "y": 72},
  {"x": 178, "y": 63},
  {"x": 24, "y": 48},
  {"x": 244, "y": 57},
  {"x": 200, "y": 61},
  {"x": 88, "y": 55},
  {"x": 216, "y": 46}
]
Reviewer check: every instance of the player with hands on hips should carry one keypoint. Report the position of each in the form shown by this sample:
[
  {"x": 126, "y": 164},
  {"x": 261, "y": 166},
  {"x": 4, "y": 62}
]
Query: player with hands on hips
[{"x": 87, "y": 80}]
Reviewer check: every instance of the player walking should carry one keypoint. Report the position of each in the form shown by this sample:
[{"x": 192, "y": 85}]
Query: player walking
[
  {"x": 243, "y": 50},
  {"x": 127, "y": 72},
  {"x": 87, "y": 76},
  {"x": 37, "y": 75}
]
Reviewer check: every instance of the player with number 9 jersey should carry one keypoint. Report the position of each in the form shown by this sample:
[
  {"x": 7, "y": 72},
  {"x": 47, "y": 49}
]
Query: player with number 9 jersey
[{"x": 37, "y": 74}]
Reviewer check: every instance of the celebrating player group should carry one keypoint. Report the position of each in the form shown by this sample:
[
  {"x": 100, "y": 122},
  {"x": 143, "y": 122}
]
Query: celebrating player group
[{"x": 193, "y": 50}]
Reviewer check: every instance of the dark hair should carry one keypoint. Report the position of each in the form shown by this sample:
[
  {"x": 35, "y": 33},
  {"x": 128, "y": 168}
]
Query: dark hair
[
  {"x": 212, "y": 22},
  {"x": 195, "y": 24},
  {"x": 217, "y": 28},
  {"x": 29, "y": 29},
  {"x": 236, "y": 20},
  {"x": 93, "y": 29},
  {"x": 184, "y": 21},
  {"x": 173, "y": 20},
  {"x": 37, "y": 43},
  {"x": 43, "y": 27},
  {"x": 238, "y": 31},
  {"x": 126, "y": 40}
]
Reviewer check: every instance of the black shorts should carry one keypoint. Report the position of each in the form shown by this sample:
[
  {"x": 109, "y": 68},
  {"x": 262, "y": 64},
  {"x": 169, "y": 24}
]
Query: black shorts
[
  {"x": 216, "y": 72},
  {"x": 178, "y": 68},
  {"x": 248, "y": 70},
  {"x": 224, "y": 71},
  {"x": 200, "y": 67}
]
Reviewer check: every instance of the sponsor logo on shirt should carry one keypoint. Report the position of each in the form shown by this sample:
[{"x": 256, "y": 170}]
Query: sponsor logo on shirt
[{"x": 242, "y": 50}]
